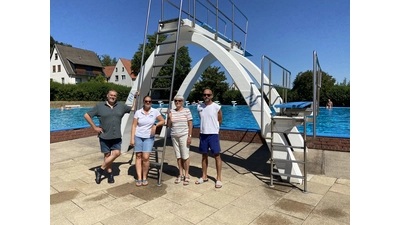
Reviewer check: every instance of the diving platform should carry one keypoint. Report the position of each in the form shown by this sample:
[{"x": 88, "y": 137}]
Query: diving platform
[{"x": 248, "y": 77}]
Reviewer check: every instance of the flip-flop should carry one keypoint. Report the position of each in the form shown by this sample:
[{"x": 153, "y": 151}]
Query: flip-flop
[
  {"x": 200, "y": 181},
  {"x": 186, "y": 181},
  {"x": 138, "y": 183},
  {"x": 218, "y": 184},
  {"x": 144, "y": 183}
]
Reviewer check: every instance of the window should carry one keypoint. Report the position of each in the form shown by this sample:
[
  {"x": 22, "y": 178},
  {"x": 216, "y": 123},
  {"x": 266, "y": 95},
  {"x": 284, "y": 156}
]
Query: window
[
  {"x": 56, "y": 56},
  {"x": 123, "y": 69},
  {"x": 59, "y": 68},
  {"x": 123, "y": 77},
  {"x": 116, "y": 69},
  {"x": 54, "y": 69},
  {"x": 116, "y": 77},
  {"x": 62, "y": 80},
  {"x": 89, "y": 70},
  {"x": 78, "y": 80}
]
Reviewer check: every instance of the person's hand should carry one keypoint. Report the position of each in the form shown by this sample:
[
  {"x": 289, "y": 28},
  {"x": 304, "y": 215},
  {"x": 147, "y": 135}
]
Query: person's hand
[
  {"x": 153, "y": 130},
  {"x": 98, "y": 130},
  {"x": 189, "y": 141},
  {"x": 132, "y": 142}
]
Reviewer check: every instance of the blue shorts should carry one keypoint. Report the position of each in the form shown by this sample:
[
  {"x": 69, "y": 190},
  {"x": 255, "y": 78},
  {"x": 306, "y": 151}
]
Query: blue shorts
[
  {"x": 209, "y": 141},
  {"x": 107, "y": 146},
  {"x": 144, "y": 144}
]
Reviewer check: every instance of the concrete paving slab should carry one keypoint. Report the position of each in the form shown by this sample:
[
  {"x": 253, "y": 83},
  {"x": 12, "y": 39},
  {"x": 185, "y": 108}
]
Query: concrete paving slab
[
  {"x": 245, "y": 198},
  {"x": 276, "y": 218},
  {"x": 334, "y": 206},
  {"x": 194, "y": 211}
]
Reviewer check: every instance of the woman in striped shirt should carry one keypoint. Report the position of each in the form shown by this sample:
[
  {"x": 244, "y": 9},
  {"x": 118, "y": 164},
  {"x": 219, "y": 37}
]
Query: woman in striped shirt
[{"x": 180, "y": 122}]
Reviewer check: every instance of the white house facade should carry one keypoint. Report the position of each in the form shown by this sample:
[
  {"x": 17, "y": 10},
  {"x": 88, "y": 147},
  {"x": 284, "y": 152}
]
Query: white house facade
[
  {"x": 57, "y": 70},
  {"x": 122, "y": 73}
]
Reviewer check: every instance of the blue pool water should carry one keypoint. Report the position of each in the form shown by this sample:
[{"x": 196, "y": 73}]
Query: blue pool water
[{"x": 330, "y": 122}]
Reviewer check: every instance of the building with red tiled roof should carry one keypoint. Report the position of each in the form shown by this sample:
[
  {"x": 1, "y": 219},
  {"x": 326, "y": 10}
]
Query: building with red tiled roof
[
  {"x": 108, "y": 70},
  {"x": 122, "y": 73}
]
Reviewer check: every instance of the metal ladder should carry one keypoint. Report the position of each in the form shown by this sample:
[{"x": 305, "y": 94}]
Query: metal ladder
[
  {"x": 294, "y": 117},
  {"x": 158, "y": 92}
]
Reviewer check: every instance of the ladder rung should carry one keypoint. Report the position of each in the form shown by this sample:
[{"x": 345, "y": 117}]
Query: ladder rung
[
  {"x": 284, "y": 132},
  {"x": 162, "y": 65},
  {"x": 166, "y": 42},
  {"x": 286, "y": 160},
  {"x": 287, "y": 175},
  {"x": 167, "y": 53},
  {"x": 168, "y": 21},
  {"x": 296, "y": 119},
  {"x": 155, "y": 164},
  {"x": 167, "y": 31},
  {"x": 310, "y": 121},
  {"x": 157, "y": 150},
  {"x": 287, "y": 146}
]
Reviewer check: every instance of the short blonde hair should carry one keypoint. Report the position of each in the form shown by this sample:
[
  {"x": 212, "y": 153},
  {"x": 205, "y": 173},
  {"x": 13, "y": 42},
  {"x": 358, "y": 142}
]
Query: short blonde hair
[{"x": 178, "y": 97}]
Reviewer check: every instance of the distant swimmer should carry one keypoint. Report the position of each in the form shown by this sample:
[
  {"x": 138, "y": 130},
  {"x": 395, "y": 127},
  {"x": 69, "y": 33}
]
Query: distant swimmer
[{"x": 329, "y": 104}]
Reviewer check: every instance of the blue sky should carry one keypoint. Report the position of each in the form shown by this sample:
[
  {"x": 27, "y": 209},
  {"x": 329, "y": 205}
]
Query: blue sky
[{"x": 286, "y": 31}]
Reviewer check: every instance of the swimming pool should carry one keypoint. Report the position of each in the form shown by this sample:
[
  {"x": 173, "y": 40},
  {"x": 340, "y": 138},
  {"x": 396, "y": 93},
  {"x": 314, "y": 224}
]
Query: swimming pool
[{"x": 333, "y": 122}]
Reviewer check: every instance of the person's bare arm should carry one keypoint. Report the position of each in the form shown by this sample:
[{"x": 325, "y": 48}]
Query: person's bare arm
[
  {"x": 220, "y": 117},
  {"x": 134, "y": 101},
  {"x": 169, "y": 122},
  {"x": 91, "y": 123},
  {"x": 160, "y": 122},
  {"x": 133, "y": 131},
  {"x": 190, "y": 126}
]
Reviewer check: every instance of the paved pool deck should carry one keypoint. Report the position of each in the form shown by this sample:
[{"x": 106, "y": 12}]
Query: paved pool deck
[{"x": 245, "y": 198}]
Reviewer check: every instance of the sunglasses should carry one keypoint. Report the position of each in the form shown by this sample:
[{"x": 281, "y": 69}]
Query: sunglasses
[
  {"x": 147, "y": 101},
  {"x": 208, "y": 95},
  {"x": 178, "y": 100}
]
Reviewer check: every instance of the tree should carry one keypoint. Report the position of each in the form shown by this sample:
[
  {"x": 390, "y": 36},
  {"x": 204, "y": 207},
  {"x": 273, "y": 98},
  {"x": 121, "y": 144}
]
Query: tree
[
  {"x": 214, "y": 80},
  {"x": 98, "y": 79},
  {"x": 303, "y": 86},
  {"x": 107, "y": 61},
  {"x": 233, "y": 95},
  {"x": 344, "y": 83},
  {"x": 303, "y": 90},
  {"x": 52, "y": 42},
  {"x": 182, "y": 67}
]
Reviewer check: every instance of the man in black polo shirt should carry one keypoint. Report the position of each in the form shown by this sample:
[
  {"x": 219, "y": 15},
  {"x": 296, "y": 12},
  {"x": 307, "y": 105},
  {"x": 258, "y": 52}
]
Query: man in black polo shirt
[{"x": 110, "y": 114}]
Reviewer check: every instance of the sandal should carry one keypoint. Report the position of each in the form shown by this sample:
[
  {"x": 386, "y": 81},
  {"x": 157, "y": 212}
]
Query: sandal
[
  {"x": 138, "y": 183},
  {"x": 200, "y": 181},
  {"x": 218, "y": 184},
  {"x": 186, "y": 181},
  {"x": 179, "y": 179},
  {"x": 144, "y": 183}
]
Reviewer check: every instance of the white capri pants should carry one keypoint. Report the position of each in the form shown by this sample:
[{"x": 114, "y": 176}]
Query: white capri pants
[{"x": 181, "y": 147}]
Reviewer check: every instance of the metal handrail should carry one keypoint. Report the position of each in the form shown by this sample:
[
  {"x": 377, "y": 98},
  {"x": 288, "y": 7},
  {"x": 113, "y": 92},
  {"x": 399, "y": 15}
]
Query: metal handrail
[
  {"x": 217, "y": 17},
  {"x": 285, "y": 85},
  {"x": 317, "y": 79}
]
